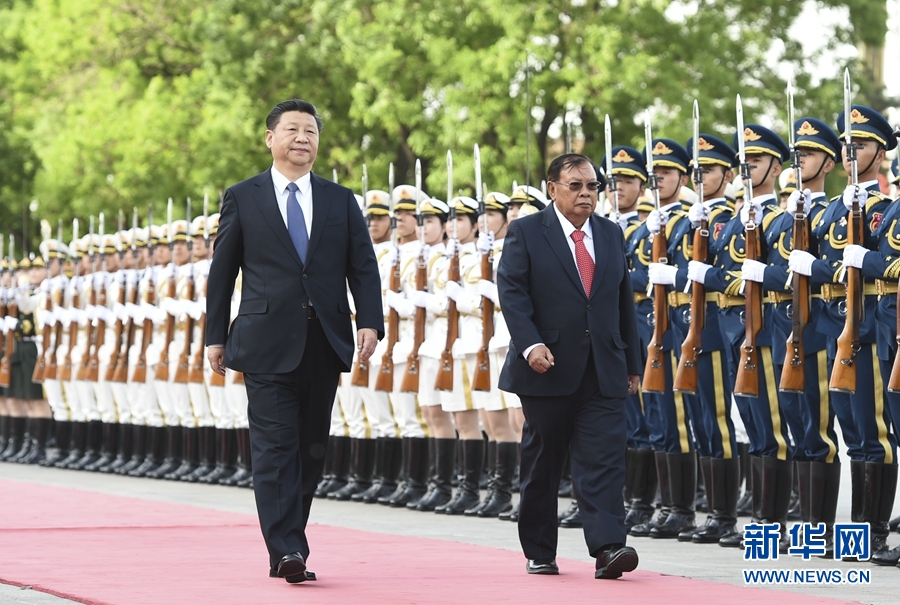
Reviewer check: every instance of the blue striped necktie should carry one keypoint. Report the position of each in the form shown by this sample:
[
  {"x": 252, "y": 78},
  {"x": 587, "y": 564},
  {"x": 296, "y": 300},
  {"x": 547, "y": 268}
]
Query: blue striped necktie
[{"x": 296, "y": 223}]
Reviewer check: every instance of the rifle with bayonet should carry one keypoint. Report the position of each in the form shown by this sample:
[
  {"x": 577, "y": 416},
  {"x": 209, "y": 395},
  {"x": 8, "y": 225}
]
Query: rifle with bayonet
[
  {"x": 100, "y": 308},
  {"x": 793, "y": 375},
  {"x": 196, "y": 374},
  {"x": 843, "y": 375},
  {"x": 184, "y": 360},
  {"x": 410, "y": 383},
  {"x": 66, "y": 373},
  {"x": 40, "y": 367},
  {"x": 655, "y": 368},
  {"x": 84, "y": 367},
  {"x": 12, "y": 310},
  {"x": 120, "y": 304},
  {"x": 610, "y": 175},
  {"x": 385, "y": 380},
  {"x": 444, "y": 379},
  {"x": 746, "y": 382},
  {"x": 360, "y": 377},
  {"x": 162, "y": 367},
  {"x": 687, "y": 373},
  {"x": 121, "y": 372},
  {"x": 481, "y": 380},
  {"x": 52, "y": 370},
  {"x": 140, "y": 368}
]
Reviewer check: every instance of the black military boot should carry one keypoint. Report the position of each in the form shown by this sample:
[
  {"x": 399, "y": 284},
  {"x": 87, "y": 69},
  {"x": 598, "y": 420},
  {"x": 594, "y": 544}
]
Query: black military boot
[
  {"x": 822, "y": 486},
  {"x": 206, "y": 454},
  {"x": 108, "y": 450},
  {"x": 440, "y": 491},
  {"x": 247, "y": 458},
  {"x": 126, "y": 447},
  {"x": 467, "y": 495},
  {"x": 701, "y": 499},
  {"x": 328, "y": 466},
  {"x": 140, "y": 437},
  {"x": 243, "y": 462},
  {"x": 405, "y": 459},
  {"x": 571, "y": 517},
  {"x": 62, "y": 436},
  {"x": 878, "y": 502},
  {"x": 155, "y": 447},
  {"x": 4, "y": 431},
  {"x": 801, "y": 481},
  {"x": 723, "y": 491},
  {"x": 16, "y": 437},
  {"x": 40, "y": 432},
  {"x": 226, "y": 457},
  {"x": 25, "y": 443},
  {"x": 417, "y": 478},
  {"x": 340, "y": 467},
  {"x": 432, "y": 469},
  {"x": 388, "y": 457},
  {"x": 499, "y": 500},
  {"x": 190, "y": 454},
  {"x": 777, "y": 485},
  {"x": 643, "y": 487},
  {"x": 665, "y": 497},
  {"x": 94, "y": 445},
  {"x": 683, "y": 483},
  {"x": 705, "y": 465},
  {"x": 745, "y": 504},
  {"x": 487, "y": 480},
  {"x": 173, "y": 454},
  {"x": 363, "y": 465},
  {"x": 76, "y": 445}
]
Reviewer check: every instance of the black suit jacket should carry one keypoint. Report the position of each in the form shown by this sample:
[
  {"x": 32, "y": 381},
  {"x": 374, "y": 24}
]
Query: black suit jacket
[
  {"x": 269, "y": 333},
  {"x": 544, "y": 301}
]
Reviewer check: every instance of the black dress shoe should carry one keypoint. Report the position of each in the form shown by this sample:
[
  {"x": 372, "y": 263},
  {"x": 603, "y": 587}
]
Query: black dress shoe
[
  {"x": 573, "y": 520},
  {"x": 292, "y": 568},
  {"x": 612, "y": 562},
  {"x": 310, "y": 575},
  {"x": 542, "y": 567}
]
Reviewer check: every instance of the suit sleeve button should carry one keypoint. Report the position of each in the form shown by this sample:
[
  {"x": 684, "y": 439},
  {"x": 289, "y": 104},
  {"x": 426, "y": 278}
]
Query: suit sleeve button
[
  {"x": 304, "y": 276},
  {"x": 589, "y": 306},
  {"x": 303, "y": 305},
  {"x": 587, "y": 332}
]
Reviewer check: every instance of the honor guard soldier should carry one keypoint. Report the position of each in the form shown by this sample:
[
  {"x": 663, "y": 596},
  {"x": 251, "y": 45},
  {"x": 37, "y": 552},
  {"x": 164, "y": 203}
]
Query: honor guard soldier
[
  {"x": 525, "y": 200},
  {"x": 674, "y": 463},
  {"x": 756, "y": 395},
  {"x": 805, "y": 402},
  {"x": 862, "y": 407},
  {"x": 787, "y": 184}
]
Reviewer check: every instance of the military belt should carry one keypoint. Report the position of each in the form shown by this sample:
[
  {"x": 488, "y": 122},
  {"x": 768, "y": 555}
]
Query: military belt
[
  {"x": 679, "y": 299},
  {"x": 638, "y": 297},
  {"x": 834, "y": 291},
  {"x": 885, "y": 287}
]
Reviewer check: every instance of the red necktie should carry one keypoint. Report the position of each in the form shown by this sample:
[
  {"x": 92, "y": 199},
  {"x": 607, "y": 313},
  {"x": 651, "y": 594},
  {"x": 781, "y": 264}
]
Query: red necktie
[{"x": 584, "y": 261}]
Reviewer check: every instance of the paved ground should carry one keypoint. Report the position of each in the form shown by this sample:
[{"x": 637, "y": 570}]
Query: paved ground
[{"x": 668, "y": 557}]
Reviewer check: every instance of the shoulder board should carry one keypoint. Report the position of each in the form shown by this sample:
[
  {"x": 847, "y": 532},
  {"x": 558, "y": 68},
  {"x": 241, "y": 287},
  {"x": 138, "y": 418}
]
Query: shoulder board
[
  {"x": 770, "y": 216},
  {"x": 718, "y": 209},
  {"x": 677, "y": 217},
  {"x": 876, "y": 197},
  {"x": 630, "y": 229},
  {"x": 816, "y": 214},
  {"x": 835, "y": 198}
]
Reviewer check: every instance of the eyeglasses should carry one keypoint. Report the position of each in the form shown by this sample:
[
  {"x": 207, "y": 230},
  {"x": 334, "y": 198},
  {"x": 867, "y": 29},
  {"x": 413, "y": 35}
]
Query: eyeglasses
[{"x": 575, "y": 186}]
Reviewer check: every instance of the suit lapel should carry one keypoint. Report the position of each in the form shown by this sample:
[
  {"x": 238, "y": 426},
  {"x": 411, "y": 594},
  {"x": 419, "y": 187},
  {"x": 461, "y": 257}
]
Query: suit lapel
[
  {"x": 320, "y": 200},
  {"x": 268, "y": 207},
  {"x": 601, "y": 252},
  {"x": 557, "y": 240}
]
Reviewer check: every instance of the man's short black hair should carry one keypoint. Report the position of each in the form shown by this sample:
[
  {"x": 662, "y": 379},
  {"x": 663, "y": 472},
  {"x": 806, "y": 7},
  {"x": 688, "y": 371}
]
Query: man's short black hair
[
  {"x": 292, "y": 105},
  {"x": 565, "y": 162}
]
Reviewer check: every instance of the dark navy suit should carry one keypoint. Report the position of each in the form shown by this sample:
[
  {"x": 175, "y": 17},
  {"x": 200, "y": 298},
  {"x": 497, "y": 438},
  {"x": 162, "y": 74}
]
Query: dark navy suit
[{"x": 579, "y": 404}]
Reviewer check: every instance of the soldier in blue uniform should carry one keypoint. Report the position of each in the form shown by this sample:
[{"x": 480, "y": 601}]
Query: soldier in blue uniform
[
  {"x": 808, "y": 413},
  {"x": 770, "y": 448},
  {"x": 709, "y": 409},
  {"x": 864, "y": 415},
  {"x": 883, "y": 265},
  {"x": 676, "y": 463}
]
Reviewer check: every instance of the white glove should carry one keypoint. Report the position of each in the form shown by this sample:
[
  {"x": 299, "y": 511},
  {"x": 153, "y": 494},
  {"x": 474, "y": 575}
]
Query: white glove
[
  {"x": 697, "y": 271},
  {"x": 65, "y": 317},
  {"x": 661, "y": 275},
  {"x": 488, "y": 289},
  {"x": 393, "y": 299},
  {"x": 753, "y": 270},
  {"x": 130, "y": 277},
  {"x": 195, "y": 310},
  {"x": 45, "y": 286},
  {"x": 801, "y": 262},
  {"x": 698, "y": 213},
  {"x": 453, "y": 289},
  {"x": 852, "y": 192},
  {"x": 795, "y": 197},
  {"x": 485, "y": 242},
  {"x": 170, "y": 306},
  {"x": 419, "y": 298},
  {"x": 745, "y": 212},
  {"x": 120, "y": 311},
  {"x": 450, "y": 249},
  {"x": 90, "y": 312},
  {"x": 393, "y": 253},
  {"x": 159, "y": 316},
  {"x": 854, "y": 255},
  {"x": 656, "y": 220},
  {"x": 11, "y": 322},
  {"x": 131, "y": 310}
]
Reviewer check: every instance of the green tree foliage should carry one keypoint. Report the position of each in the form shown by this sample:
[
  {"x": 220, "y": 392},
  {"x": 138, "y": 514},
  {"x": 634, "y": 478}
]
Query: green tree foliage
[{"x": 120, "y": 103}]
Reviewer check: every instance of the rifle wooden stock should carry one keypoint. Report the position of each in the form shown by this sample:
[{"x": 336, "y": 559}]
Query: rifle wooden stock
[
  {"x": 686, "y": 376},
  {"x": 162, "y": 368},
  {"x": 40, "y": 367},
  {"x": 360, "y": 376},
  {"x": 746, "y": 384},
  {"x": 52, "y": 370},
  {"x": 66, "y": 372},
  {"x": 238, "y": 378},
  {"x": 140, "y": 369},
  {"x": 793, "y": 374},
  {"x": 99, "y": 338},
  {"x": 444, "y": 379},
  {"x": 184, "y": 360},
  {"x": 119, "y": 334},
  {"x": 85, "y": 366},
  {"x": 121, "y": 371},
  {"x": 481, "y": 378},
  {"x": 843, "y": 375},
  {"x": 655, "y": 369},
  {"x": 12, "y": 310},
  {"x": 196, "y": 374},
  {"x": 410, "y": 382},
  {"x": 385, "y": 380}
]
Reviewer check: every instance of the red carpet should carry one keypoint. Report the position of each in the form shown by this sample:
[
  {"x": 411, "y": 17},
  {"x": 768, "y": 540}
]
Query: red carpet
[{"x": 102, "y": 549}]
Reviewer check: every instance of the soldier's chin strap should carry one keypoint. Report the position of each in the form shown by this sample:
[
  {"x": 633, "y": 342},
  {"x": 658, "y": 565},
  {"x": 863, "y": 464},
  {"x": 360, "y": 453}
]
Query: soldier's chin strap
[
  {"x": 821, "y": 167},
  {"x": 766, "y": 175},
  {"x": 874, "y": 157}
]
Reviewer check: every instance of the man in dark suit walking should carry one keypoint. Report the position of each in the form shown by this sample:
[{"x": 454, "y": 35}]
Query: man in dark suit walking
[
  {"x": 574, "y": 356},
  {"x": 300, "y": 242}
]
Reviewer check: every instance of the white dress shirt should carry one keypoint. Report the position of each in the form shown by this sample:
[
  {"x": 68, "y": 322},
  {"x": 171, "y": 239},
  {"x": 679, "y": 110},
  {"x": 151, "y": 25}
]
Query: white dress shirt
[
  {"x": 568, "y": 229},
  {"x": 304, "y": 196}
]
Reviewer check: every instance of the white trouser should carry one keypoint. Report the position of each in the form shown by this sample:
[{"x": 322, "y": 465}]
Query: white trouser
[
  {"x": 53, "y": 392},
  {"x": 338, "y": 426},
  {"x": 350, "y": 400},
  {"x": 483, "y": 400},
  {"x": 378, "y": 405},
  {"x": 428, "y": 371},
  {"x": 89, "y": 408},
  {"x": 460, "y": 398},
  {"x": 406, "y": 409},
  {"x": 236, "y": 399},
  {"x": 224, "y": 419},
  {"x": 103, "y": 394}
]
